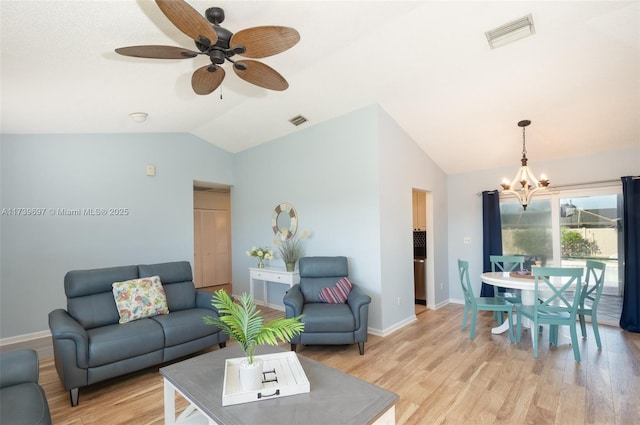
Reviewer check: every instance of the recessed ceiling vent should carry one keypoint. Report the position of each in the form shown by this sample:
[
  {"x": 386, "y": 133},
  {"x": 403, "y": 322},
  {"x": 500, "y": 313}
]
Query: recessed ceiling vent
[
  {"x": 512, "y": 31},
  {"x": 297, "y": 120}
]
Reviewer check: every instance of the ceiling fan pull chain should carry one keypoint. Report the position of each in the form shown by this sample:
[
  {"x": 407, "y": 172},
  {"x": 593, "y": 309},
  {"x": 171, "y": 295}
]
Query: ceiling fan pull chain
[{"x": 220, "y": 91}]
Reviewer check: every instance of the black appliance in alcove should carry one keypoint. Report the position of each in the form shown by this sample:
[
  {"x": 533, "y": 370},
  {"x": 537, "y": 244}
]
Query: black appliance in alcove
[{"x": 419, "y": 259}]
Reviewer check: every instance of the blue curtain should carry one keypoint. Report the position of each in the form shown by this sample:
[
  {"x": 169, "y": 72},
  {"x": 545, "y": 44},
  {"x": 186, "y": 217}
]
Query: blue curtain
[
  {"x": 491, "y": 234},
  {"x": 630, "y": 317}
]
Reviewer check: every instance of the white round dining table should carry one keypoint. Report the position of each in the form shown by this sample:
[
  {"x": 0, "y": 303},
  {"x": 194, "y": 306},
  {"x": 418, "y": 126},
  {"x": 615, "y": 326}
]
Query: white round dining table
[{"x": 525, "y": 283}]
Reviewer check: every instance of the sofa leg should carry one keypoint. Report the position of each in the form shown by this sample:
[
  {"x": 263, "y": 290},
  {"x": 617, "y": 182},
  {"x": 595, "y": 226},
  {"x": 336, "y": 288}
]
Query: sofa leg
[
  {"x": 361, "y": 348},
  {"x": 73, "y": 394},
  {"x": 293, "y": 347},
  {"x": 223, "y": 344}
]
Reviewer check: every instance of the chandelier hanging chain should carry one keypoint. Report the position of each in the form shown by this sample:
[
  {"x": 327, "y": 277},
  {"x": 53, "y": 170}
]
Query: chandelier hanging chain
[{"x": 524, "y": 148}]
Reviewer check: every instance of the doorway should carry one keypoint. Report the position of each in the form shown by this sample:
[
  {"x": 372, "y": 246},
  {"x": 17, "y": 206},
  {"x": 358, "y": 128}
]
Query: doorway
[
  {"x": 420, "y": 249},
  {"x": 212, "y": 238}
]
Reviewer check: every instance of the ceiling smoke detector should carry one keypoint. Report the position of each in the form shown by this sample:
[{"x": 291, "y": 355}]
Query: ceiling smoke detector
[
  {"x": 297, "y": 120},
  {"x": 510, "y": 32}
]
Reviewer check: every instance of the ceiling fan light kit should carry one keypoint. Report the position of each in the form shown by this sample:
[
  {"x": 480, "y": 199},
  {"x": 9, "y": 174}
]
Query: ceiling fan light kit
[
  {"x": 525, "y": 183},
  {"x": 220, "y": 45},
  {"x": 511, "y": 31}
]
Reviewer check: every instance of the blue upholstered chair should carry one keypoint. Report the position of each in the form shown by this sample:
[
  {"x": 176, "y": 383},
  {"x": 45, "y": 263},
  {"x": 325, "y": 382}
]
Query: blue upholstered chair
[
  {"x": 594, "y": 282},
  {"x": 327, "y": 323},
  {"x": 22, "y": 399},
  {"x": 473, "y": 304}
]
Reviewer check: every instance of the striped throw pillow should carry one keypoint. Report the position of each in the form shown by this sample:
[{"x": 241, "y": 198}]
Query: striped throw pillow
[{"x": 337, "y": 294}]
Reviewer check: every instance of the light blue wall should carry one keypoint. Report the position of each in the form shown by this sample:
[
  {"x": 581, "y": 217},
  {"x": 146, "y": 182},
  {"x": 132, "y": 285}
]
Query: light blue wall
[
  {"x": 350, "y": 181},
  {"x": 465, "y": 205},
  {"x": 403, "y": 167},
  {"x": 93, "y": 171},
  {"x": 329, "y": 173}
]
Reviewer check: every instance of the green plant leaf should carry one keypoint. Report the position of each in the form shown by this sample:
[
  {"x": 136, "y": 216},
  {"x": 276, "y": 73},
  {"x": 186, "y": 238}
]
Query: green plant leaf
[{"x": 243, "y": 322}]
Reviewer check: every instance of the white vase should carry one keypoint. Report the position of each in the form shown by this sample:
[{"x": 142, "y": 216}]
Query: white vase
[{"x": 251, "y": 375}]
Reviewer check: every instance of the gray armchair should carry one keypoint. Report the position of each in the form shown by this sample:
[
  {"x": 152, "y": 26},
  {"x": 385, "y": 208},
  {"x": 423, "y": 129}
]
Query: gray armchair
[
  {"x": 22, "y": 399},
  {"x": 326, "y": 323}
]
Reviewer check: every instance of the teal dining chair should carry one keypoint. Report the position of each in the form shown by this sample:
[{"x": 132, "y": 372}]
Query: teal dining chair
[
  {"x": 507, "y": 263},
  {"x": 474, "y": 304},
  {"x": 556, "y": 306},
  {"x": 594, "y": 283}
]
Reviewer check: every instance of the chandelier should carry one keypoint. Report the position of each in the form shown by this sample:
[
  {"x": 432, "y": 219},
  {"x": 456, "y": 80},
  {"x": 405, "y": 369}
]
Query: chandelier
[{"x": 525, "y": 183}]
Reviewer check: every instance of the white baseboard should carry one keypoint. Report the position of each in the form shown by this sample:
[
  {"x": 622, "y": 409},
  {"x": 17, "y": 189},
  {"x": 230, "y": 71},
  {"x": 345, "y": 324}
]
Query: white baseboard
[
  {"x": 392, "y": 328},
  {"x": 24, "y": 338}
]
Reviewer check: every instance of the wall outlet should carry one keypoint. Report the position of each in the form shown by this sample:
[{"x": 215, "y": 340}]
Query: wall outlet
[
  {"x": 441, "y": 286},
  {"x": 399, "y": 300},
  {"x": 467, "y": 239}
]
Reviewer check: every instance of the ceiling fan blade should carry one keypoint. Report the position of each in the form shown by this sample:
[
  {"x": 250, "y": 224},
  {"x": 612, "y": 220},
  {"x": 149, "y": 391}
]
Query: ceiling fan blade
[
  {"x": 260, "y": 74},
  {"x": 260, "y": 42},
  {"x": 204, "y": 81},
  {"x": 189, "y": 21},
  {"x": 157, "y": 52}
]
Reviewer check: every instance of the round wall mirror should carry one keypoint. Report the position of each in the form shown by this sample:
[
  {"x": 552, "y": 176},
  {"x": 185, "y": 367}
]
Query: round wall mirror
[{"x": 284, "y": 221}]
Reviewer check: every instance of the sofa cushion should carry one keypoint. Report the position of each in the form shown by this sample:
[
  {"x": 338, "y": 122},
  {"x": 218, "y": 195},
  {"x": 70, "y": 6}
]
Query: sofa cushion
[
  {"x": 139, "y": 298},
  {"x": 336, "y": 294},
  {"x": 177, "y": 281},
  {"x": 90, "y": 297},
  {"x": 320, "y": 317},
  {"x": 185, "y": 325},
  {"x": 112, "y": 343}
]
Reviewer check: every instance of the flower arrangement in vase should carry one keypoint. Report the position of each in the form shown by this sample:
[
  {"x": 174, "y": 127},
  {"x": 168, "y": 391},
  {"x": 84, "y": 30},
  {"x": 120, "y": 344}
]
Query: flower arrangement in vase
[
  {"x": 262, "y": 254},
  {"x": 243, "y": 323},
  {"x": 291, "y": 249}
]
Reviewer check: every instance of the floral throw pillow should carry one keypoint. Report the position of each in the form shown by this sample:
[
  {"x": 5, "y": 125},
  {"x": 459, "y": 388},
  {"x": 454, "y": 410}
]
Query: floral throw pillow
[
  {"x": 138, "y": 298},
  {"x": 337, "y": 294}
]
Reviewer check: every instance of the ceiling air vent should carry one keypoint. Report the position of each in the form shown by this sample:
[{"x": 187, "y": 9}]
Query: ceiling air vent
[
  {"x": 512, "y": 31},
  {"x": 297, "y": 120}
]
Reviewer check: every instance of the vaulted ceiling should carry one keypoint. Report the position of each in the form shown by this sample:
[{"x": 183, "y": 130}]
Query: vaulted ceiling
[{"x": 426, "y": 63}]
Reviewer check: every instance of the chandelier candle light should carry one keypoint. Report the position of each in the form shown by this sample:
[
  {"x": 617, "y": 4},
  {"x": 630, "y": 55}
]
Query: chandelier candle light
[{"x": 525, "y": 183}]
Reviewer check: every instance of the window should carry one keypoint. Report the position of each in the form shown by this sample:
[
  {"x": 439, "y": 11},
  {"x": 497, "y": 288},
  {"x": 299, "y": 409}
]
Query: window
[{"x": 566, "y": 228}]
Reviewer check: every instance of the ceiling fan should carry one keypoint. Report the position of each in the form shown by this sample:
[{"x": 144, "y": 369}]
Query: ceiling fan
[{"x": 221, "y": 45}]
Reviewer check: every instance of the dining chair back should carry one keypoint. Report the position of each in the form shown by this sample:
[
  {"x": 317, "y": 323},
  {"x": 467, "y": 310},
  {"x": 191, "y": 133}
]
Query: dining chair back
[
  {"x": 594, "y": 283},
  {"x": 473, "y": 304},
  {"x": 506, "y": 263},
  {"x": 558, "y": 291}
]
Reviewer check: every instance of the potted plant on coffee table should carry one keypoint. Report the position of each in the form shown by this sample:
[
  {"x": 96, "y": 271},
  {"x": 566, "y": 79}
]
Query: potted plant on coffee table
[{"x": 243, "y": 322}]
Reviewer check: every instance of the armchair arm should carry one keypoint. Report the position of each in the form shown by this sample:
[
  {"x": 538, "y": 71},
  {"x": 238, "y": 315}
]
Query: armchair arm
[
  {"x": 293, "y": 301},
  {"x": 359, "y": 303},
  {"x": 65, "y": 327},
  {"x": 18, "y": 367}
]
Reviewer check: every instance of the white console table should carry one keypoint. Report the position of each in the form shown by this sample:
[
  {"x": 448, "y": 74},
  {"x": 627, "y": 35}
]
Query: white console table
[{"x": 269, "y": 274}]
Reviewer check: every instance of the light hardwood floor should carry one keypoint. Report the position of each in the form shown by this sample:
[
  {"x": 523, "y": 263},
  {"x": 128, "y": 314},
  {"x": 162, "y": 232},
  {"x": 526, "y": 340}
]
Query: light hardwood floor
[{"x": 440, "y": 375}]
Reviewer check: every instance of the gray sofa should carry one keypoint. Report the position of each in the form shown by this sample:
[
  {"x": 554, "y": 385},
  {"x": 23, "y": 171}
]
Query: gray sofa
[
  {"x": 324, "y": 323},
  {"x": 22, "y": 399},
  {"x": 89, "y": 343}
]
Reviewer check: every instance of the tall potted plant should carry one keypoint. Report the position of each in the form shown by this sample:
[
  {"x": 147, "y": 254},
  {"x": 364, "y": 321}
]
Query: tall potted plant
[
  {"x": 243, "y": 323},
  {"x": 291, "y": 249}
]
